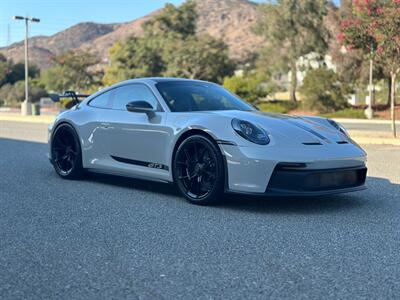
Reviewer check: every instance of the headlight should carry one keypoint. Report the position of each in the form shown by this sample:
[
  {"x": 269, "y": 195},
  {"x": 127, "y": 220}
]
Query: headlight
[
  {"x": 250, "y": 132},
  {"x": 338, "y": 127}
]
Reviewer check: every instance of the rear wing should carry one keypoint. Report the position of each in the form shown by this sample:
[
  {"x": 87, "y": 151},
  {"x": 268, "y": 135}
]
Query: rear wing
[{"x": 68, "y": 94}]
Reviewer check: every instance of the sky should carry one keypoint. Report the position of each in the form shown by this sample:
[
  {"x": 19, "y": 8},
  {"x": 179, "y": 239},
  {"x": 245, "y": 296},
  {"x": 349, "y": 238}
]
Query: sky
[{"x": 57, "y": 15}]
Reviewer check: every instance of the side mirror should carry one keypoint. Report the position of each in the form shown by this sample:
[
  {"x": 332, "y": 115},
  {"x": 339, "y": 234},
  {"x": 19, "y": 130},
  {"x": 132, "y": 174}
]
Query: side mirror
[
  {"x": 54, "y": 97},
  {"x": 140, "y": 107}
]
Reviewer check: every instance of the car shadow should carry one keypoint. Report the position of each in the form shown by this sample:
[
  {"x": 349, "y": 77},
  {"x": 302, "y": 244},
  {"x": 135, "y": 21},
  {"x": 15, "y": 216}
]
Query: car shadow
[
  {"x": 311, "y": 205},
  {"x": 133, "y": 183},
  {"x": 260, "y": 204}
]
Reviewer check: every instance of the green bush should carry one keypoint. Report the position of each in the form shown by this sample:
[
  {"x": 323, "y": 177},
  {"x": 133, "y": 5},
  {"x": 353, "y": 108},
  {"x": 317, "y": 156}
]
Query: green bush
[
  {"x": 13, "y": 94},
  {"x": 281, "y": 107},
  {"x": 351, "y": 113},
  {"x": 323, "y": 92},
  {"x": 248, "y": 87}
]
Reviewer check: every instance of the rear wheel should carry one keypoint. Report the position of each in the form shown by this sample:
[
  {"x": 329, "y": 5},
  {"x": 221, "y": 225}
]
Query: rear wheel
[
  {"x": 66, "y": 152},
  {"x": 198, "y": 170}
]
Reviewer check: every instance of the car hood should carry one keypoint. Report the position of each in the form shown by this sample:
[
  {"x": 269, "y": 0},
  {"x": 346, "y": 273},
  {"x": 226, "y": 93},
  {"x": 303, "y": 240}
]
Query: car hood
[{"x": 293, "y": 128}]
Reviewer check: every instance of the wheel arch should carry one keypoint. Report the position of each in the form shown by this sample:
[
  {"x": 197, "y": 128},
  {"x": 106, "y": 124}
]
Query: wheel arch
[
  {"x": 188, "y": 133},
  {"x": 54, "y": 129},
  {"x": 197, "y": 131}
]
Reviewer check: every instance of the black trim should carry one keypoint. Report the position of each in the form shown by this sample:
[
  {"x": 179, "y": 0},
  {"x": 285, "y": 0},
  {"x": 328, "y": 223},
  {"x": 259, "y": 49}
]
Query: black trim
[
  {"x": 314, "y": 181},
  {"x": 282, "y": 193},
  {"x": 313, "y": 144},
  {"x": 226, "y": 174},
  {"x": 290, "y": 165},
  {"x": 223, "y": 142},
  {"x": 147, "y": 164}
]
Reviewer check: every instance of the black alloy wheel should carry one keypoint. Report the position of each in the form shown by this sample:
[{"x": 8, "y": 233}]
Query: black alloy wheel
[
  {"x": 66, "y": 152},
  {"x": 199, "y": 171}
]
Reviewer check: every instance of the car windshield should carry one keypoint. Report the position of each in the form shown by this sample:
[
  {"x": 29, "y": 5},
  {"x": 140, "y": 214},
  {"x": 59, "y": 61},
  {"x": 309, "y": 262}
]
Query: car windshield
[{"x": 183, "y": 96}]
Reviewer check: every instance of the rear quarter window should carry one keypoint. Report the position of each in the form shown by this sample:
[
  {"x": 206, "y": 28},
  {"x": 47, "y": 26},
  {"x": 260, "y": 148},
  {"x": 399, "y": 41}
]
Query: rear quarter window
[{"x": 102, "y": 101}]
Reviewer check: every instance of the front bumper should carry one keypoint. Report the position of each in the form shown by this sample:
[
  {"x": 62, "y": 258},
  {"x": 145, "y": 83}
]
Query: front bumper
[{"x": 308, "y": 170}]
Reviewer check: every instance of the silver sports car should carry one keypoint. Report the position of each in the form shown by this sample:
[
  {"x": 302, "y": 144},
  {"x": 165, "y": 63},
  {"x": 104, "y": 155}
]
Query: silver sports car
[{"x": 204, "y": 139}]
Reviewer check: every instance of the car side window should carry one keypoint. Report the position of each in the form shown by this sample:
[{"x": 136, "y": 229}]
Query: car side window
[
  {"x": 133, "y": 92},
  {"x": 102, "y": 101}
]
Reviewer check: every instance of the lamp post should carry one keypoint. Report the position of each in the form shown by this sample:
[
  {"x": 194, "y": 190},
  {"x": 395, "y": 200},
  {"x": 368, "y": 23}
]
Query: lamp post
[
  {"x": 26, "y": 108},
  {"x": 371, "y": 88}
]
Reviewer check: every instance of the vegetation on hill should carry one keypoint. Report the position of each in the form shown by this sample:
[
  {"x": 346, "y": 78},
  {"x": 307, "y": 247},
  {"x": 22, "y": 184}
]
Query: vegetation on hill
[{"x": 170, "y": 47}]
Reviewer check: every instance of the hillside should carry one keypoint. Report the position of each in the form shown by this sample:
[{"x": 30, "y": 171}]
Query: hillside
[{"x": 229, "y": 20}]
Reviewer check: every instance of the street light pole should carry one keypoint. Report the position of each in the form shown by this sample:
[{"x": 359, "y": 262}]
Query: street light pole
[
  {"x": 26, "y": 108},
  {"x": 371, "y": 87}
]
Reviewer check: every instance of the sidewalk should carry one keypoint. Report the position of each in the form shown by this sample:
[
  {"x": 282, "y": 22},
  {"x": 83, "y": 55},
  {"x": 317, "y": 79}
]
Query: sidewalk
[
  {"x": 42, "y": 119},
  {"x": 374, "y": 137},
  {"x": 364, "y": 121}
]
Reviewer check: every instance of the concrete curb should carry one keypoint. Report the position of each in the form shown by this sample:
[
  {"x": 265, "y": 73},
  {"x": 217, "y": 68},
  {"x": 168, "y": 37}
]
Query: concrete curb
[
  {"x": 376, "y": 141},
  {"x": 364, "y": 121}
]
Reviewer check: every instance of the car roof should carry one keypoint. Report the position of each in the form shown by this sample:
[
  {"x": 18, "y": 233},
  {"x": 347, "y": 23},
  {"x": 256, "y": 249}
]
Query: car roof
[
  {"x": 161, "y": 79},
  {"x": 148, "y": 80}
]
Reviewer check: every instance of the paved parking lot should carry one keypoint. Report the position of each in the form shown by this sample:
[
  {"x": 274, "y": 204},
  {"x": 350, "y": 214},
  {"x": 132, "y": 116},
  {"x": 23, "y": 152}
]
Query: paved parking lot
[{"x": 108, "y": 237}]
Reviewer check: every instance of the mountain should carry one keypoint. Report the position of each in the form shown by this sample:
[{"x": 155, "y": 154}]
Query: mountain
[
  {"x": 229, "y": 20},
  {"x": 43, "y": 48}
]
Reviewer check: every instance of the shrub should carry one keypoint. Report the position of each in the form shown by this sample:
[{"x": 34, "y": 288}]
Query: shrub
[
  {"x": 13, "y": 94},
  {"x": 248, "y": 87},
  {"x": 322, "y": 91},
  {"x": 281, "y": 107},
  {"x": 351, "y": 113}
]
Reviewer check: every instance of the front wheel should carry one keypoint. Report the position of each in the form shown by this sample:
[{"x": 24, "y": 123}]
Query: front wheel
[
  {"x": 66, "y": 152},
  {"x": 199, "y": 170}
]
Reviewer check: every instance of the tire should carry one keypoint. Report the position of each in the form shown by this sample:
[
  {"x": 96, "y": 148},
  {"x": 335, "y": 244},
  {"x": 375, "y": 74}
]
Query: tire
[
  {"x": 198, "y": 170},
  {"x": 66, "y": 152}
]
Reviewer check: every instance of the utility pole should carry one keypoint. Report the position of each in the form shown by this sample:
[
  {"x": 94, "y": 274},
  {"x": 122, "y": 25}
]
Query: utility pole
[
  {"x": 371, "y": 88},
  {"x": 26, "y": 108}
]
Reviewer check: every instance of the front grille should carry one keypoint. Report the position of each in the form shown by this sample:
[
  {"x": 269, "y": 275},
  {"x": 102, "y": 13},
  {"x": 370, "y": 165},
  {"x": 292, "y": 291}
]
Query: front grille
[{"x": 316, "y": 180}]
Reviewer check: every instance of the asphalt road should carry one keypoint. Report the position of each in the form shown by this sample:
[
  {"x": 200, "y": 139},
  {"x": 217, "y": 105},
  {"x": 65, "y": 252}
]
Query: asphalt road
[{"x": 108, "y": 237}]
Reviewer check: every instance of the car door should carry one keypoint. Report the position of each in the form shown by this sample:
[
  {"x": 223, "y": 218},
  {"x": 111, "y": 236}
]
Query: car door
[
  {"x": 137, "y": 139},
  {"x": 95, "y": 131}
]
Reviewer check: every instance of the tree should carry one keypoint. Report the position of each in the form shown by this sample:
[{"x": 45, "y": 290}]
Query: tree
[
  {"x": 177, "y": 21},
  {"x": 375, "y": 27},
  {"x": 293, "y": 28},
  {"x": 170, "y": 47},
  {"x": 73, "y": 70},
  {"x": 137, "y": 57},
  {"x": 323, "y": 92},
  {"x": 201, "y": 57},
  {"x": 11, "y": 73}
]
